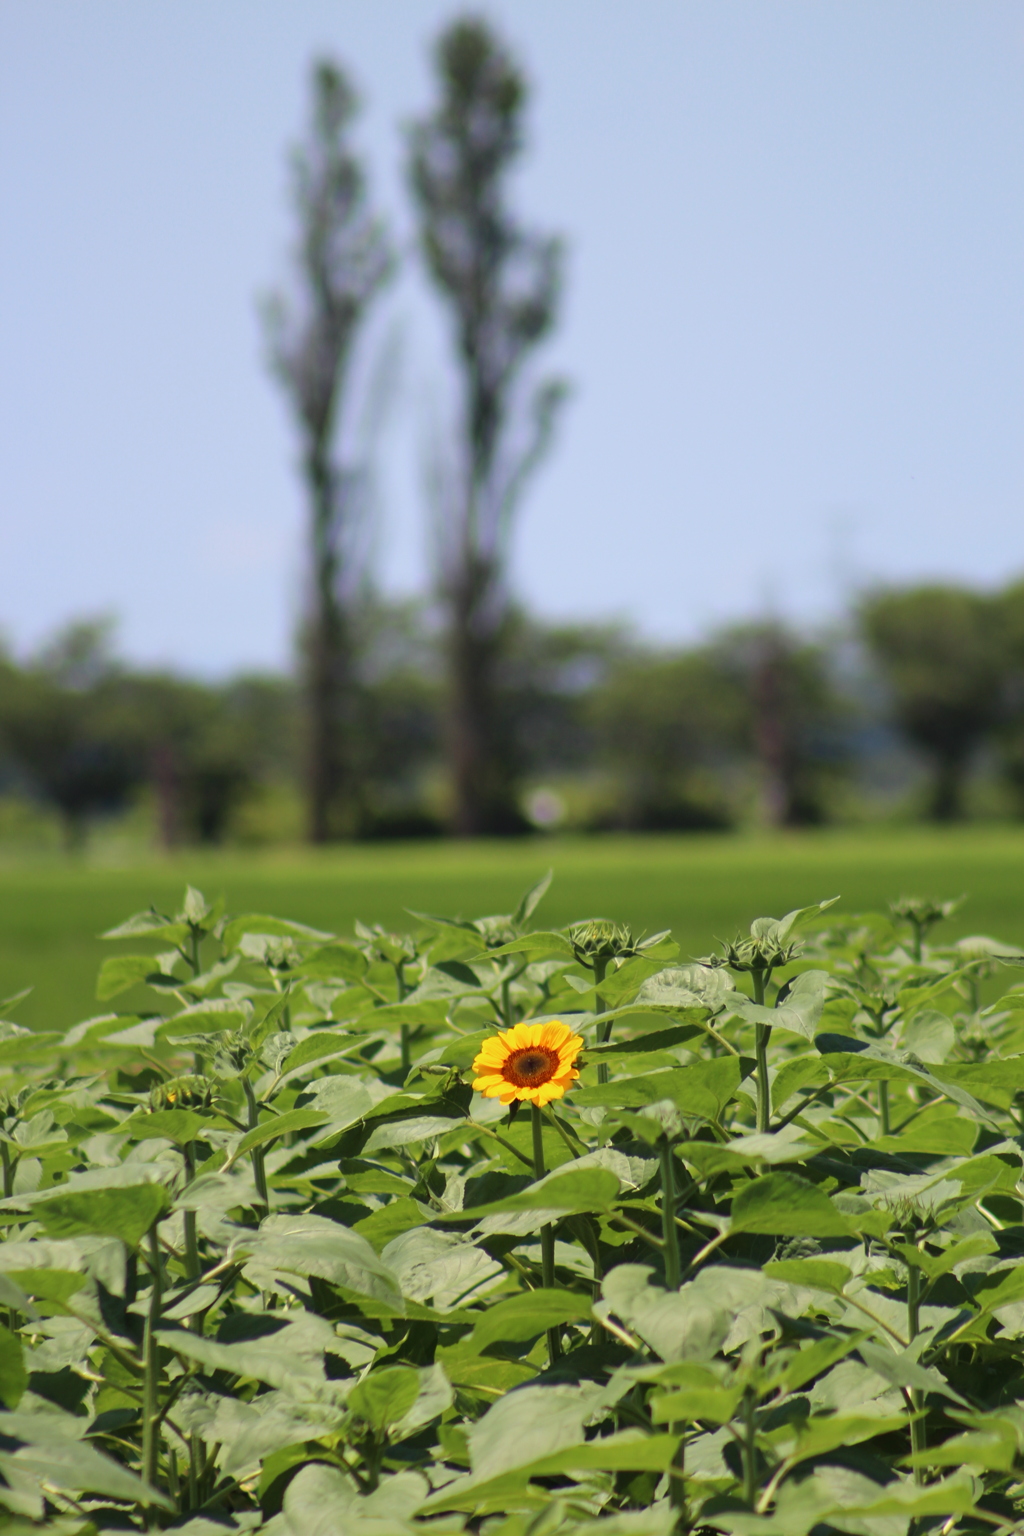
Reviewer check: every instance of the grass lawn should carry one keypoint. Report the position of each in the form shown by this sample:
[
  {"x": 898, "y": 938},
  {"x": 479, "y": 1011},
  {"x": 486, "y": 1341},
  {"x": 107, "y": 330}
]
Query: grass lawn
[{"x": 702, "y": 887}]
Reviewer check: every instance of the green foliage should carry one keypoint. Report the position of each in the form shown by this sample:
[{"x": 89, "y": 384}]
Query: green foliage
[
  {"x": 940, "y": 651},
  {"x": 268, "y": 1260}
]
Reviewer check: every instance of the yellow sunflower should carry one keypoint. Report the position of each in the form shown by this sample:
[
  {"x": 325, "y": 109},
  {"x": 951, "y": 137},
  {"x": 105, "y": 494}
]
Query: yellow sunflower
[{"x": 533, "y": 1062}]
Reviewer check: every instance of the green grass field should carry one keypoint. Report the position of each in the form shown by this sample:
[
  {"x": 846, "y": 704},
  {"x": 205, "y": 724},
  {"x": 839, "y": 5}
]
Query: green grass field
[{"x": 51, "y": 914}]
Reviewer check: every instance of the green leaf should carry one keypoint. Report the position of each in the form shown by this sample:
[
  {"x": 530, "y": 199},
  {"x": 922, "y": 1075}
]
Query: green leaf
[
  {"x": 322, "y": 1501},
  {"x": 312, "y": 1245},
  {"x": 537, "y": 946},
  {"x": 654, "y": 1041},
  {"x": 334, "y": 962},
  {"x": 274, "y": 927},
  {"x": 127, "y": 1213},
  {"x": 850, "y": 1060},
  {"x": 385, "y": 1396},
  {"x": 426, "y": 1011},
  {"x": 701, "y": 1091},
  {"x": 441, "y": 1267},
  {"x": 120, "y": 972},
  {"x": 995, "y": 1082},
  {"x": 785, "y": 1205},
  {"x": 818, "y": 1274},
  {"x": 930, "y": 1035},
  {"x": 52, "y": 1288},
  {"x": 149, "y": 922},
  {"x": 275, "y": 1126},
  {"x": 567, "y": 1189},
  {"x": 532, "y": 899},
  {"x": 714, "y": 1403},
  {"x": 178, "y": 1125},
  {"x": 52, "y": 1454},
  {"x": 903, "y": 1371},
  {"x": 390, "y": 1221},
  {"x": 629, "y": 1451},
  {"x": 530, "y": 1424},
  {"x": 13, "y": 1375},
  {"x": 800, "y": 1010},
  {"x": 317, "y": 1047},
  {"x": 283, "y": 1349},
  {"x": 943, "y": 1136},
  {"x": 801, "y": 916},
  {"x": 999, "y": 1288},
  {"x": 688, "y": 1324},
  {"x": 206, "y": 1018},
  {"x": 527, "y": 1315},
  {"x": 992, "y": 1448}
]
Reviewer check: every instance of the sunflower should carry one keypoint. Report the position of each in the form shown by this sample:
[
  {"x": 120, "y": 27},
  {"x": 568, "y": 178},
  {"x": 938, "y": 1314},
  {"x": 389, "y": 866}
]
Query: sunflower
[{"x": 533, "y": 1062}]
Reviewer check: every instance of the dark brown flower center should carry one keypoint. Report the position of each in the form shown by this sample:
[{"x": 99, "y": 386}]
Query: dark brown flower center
[{"x": 530, "y": 1067}]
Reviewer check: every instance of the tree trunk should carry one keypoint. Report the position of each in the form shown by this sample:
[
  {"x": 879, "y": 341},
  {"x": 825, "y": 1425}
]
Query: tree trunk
[
  {"x": 167, "y": 785},
  {"x": 334, "y": 809},
  {"x": 483, "y": 795},
  {"x": 947, "y": 800}
]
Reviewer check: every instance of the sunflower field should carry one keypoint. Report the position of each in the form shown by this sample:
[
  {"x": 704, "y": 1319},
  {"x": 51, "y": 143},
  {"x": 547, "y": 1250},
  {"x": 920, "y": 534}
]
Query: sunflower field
[{"x": 490, "y": 1228}]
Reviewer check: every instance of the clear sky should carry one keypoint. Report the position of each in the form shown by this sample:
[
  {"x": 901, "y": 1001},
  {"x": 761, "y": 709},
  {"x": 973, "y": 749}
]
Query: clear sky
[{"x": 792, "y": 319}]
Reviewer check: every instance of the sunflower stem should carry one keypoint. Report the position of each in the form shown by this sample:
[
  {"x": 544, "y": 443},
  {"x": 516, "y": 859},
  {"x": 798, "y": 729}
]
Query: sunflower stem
[
  {"x": 762, "y": 1035},
  {"x": 669, "y": 1231},
  {"x": 547, "y": 1234},
  {"x": 603, "y": 1030}
]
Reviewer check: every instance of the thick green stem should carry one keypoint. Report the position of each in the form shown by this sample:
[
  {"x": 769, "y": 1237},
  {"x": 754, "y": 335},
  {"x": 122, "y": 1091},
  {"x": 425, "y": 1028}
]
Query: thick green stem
[
  {"x": 669, "y": 1230},
  {"x": 676, "y": 1485},
  {"x": 403, "y": 993},
  {"x": 259, "y": 1168},
  {"x": 9, "y": 1165},
  {"x": 883, "y": 1107},
  {"x": 604, "y": 1031},
  {"x": 918, "y": 1436},
  {"x": 151, "y": 1367},
  {"x": 750, "y": 1451},
  {"x": 762, "y": 1034},
  {"x": 547, "y": 1233},
  {"x": 506, "y": 1002},
  {"x": 188, "y": 1153}
]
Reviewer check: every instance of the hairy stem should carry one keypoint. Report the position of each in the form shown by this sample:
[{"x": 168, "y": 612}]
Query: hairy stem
[
  {"x": 259, "y": 1167},
  {"x": 604, "y": 1031},
  {"x": 749, "y": 1451},
  {"x": 547, "y": 1233},
  {"x": 151, "y": 1367},
  {"x": 404, "y": 1034},
  {"x": 883, "y": 1107},
  {"x": 669, "y": 1230},
  {"x": 918, "y": 1437},
  {"x": 762, "y": 1034},
  {"x": 676, "y": 1485}
]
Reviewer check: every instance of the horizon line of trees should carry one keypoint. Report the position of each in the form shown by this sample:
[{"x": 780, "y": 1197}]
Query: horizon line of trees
[{"x": 758, "y": 722}]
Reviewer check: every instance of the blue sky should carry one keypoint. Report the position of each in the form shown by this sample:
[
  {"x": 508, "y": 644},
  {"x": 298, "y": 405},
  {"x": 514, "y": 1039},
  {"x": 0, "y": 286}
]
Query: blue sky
[{"x": 792, "y": 319}]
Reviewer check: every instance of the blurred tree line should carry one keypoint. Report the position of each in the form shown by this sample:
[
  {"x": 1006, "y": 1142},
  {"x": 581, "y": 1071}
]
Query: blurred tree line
[{"x": 597, "y": 731}]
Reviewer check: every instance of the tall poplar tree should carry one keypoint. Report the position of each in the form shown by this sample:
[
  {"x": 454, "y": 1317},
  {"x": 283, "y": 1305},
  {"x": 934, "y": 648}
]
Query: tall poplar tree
[
  {"x": 500, "y": 285},
  {"x": 343, "y": 258}
]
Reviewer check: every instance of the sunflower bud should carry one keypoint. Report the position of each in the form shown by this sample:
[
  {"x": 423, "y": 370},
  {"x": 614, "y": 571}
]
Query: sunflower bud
[
  {"x": 183, "y": 1093},
  {"x": 756, "y": 954},
  {"x": 601, "y": 940}
]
